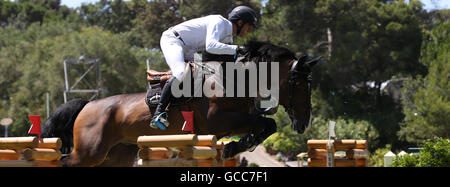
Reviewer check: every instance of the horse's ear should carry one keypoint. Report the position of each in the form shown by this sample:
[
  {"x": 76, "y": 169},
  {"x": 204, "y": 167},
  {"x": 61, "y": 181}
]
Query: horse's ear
[
  {"x": 314, "y": 62},
  {"x": 302, "y": 59}
]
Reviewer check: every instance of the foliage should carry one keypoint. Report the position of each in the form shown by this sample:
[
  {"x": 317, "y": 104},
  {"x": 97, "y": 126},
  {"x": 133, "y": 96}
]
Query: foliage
[
  {"x": 377, "y": 158},
  {"x": 115, "y": 16},
  {"x": 291, "y": 143},
  {"x": 199, "y": 8},
  {"x": 366, "y": 44},
  {"x": 37, "y": 69},
  {"x": 292, "y": 18},
  {"x": 435, "y": 153},
  {"x": 25, "y": 12},
  {"x": 153, "y": 20},
  {"x": 427, "y": 103},
  {"x": 157, "y": 16},
  {"x": 253, "y": 165},
  {"x": 405, "y": 161}
]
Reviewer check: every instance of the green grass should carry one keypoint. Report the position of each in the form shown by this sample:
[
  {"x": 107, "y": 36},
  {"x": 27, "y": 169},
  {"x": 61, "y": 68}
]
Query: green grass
[{"x": 227, "y": 139}]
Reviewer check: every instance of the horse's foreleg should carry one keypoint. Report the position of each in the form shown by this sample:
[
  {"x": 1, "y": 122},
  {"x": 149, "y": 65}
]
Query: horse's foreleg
[
  {"x": 257, "y": 128},
  {"x": 251, "y": 140}
]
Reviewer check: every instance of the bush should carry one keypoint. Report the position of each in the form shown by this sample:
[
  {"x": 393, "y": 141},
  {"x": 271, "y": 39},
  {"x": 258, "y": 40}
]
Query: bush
[
  {"x": 377, "y": 158},
  {"x": 289, "y": 142},
  {"x": 405, "y": 161},
  {"x": 435, "y": 153}
]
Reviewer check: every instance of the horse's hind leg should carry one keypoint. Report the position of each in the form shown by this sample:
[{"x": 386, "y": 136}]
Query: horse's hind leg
[
  {"x": 89, "y": 151},
  {"x": 94, "y": 135},
  {"x": 121, "y": 155}
]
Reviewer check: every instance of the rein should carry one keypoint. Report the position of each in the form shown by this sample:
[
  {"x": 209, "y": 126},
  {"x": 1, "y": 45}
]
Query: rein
[{"x": 292, "y": 83}]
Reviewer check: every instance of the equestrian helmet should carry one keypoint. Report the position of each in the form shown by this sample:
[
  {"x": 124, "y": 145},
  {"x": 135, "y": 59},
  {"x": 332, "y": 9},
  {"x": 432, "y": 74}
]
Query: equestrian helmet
[{"x": 244, "y": 13}]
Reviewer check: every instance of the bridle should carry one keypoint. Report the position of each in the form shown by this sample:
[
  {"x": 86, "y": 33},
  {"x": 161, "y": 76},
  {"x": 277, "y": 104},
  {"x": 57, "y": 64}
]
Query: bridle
[{"x": 293, "y": 82}]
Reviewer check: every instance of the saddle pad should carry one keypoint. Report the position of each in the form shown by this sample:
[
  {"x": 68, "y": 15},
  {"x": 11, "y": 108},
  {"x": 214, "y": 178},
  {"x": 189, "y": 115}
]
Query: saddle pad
[{"x": 153, "y": 95}]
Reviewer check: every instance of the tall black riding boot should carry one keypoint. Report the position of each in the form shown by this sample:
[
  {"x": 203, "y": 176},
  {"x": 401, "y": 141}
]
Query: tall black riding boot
[{"x": 160, "y": 118}]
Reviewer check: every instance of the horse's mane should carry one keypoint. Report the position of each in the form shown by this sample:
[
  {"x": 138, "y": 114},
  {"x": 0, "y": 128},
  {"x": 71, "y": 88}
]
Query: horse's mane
[
  {"x": 267, "y": 52},
  {"x": 257, "y": 52}
]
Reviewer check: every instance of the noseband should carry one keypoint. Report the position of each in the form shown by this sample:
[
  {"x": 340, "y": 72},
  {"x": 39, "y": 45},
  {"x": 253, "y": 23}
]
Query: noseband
[{"x": 293, "y": 82}]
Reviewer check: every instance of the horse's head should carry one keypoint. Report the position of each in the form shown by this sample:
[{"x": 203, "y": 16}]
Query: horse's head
[
  {"x": 295, "y": 92},
  {"x": 295, "y": 80}
]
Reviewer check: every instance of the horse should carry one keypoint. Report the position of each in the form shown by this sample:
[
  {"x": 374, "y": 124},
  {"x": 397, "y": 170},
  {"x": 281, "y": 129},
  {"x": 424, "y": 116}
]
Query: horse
[{"x": 104, "y": 132}]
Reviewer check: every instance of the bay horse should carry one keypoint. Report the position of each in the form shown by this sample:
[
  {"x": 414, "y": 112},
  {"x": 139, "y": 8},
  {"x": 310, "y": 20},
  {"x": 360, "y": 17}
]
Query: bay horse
[{"x": 104, "y": 132}]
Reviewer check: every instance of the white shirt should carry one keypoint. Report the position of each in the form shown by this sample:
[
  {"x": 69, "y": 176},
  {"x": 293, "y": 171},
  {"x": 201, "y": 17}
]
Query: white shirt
[{"x": 211, "y": 33}]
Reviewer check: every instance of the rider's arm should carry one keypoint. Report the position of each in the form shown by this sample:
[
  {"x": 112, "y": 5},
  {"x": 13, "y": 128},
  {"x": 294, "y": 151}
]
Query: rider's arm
[{"x": 213, "y": 44}]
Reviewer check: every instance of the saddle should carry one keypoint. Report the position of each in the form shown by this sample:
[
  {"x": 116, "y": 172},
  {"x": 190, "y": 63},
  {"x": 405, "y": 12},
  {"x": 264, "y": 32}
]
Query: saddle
[
  {"x": 157, "y": 81},
  {"x": 155, "y": 77}
]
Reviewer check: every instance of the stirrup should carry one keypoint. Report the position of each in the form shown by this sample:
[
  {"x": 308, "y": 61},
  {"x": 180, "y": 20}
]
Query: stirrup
[{"x": 160, "y": 122}]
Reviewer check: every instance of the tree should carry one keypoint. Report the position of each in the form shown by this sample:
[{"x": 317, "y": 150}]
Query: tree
[
  {"x": 153, "y": 20},
  {"x": 377, "y": 40},
  {"x": 115, "y": 16},
  {"x": 427, "y": 101},
  {"x": 199, "y": 8},
  {"x": 435, "y": 17},
  {"x": 158, "y": 16},
  {"x": 33, "y": 66},
  {"x": 372, "y": 42},
  {"x": 23, "y": 13},
  {"x": 302, "y": 29},
  {"x": 367, "y": 43}
]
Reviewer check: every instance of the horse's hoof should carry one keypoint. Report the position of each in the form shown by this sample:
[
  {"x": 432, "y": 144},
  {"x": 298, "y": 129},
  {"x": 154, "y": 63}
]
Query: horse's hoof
[
  {"x": 230, "y": 150},
  {"x": 253, "y": 148}
]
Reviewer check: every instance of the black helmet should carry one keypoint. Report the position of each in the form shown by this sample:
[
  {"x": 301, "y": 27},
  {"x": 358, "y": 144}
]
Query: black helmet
[{"x": 244, "y": 13}]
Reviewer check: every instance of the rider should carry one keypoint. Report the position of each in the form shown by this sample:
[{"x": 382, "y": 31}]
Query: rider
[{"x": 212, "y": 33}]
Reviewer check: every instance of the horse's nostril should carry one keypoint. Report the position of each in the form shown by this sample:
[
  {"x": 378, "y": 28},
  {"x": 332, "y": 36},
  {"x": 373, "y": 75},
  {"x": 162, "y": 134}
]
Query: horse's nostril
[
  {"x": 301, "y": 126},
  {"x": 294, "y": 125}
]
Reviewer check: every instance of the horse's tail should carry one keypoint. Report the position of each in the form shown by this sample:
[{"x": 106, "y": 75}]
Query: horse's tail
[{"x": 60, "y": 123}]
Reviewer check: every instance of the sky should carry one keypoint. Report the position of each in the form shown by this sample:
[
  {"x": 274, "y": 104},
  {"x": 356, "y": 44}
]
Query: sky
[
  {"x": 429, "y": 4},
  {"x": 76, "y": 3}
]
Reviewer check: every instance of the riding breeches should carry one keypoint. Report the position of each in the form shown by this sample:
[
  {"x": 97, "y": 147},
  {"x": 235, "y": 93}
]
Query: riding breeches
[{"x": 175, "y": 53}]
